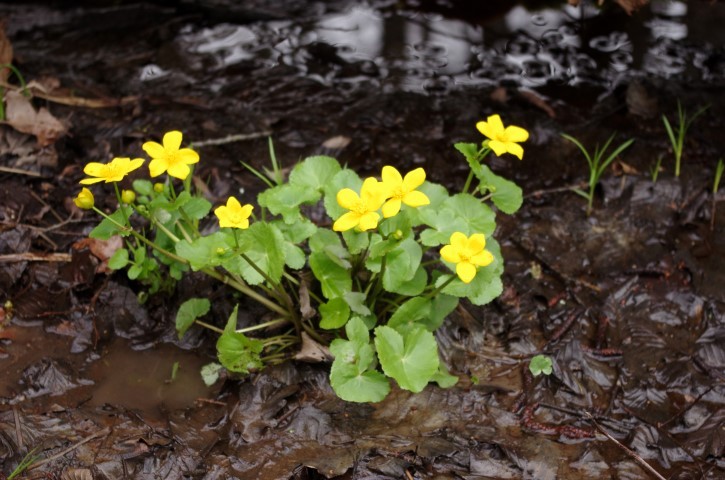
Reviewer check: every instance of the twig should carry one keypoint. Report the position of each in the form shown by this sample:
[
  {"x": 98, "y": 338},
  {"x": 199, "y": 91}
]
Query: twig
[
  {"x": 19, "y": 171},
  {"x": 35, "y": 257},
  {"x": 547, "y": 191},
  {"x": 626, "y": 449},
  {"x": 99, "y": 433},
  {"x": 18, "y": 430},
  {"x": 238, "y": 137}
]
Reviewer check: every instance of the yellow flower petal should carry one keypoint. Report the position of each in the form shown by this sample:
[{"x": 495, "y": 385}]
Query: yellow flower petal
[
  {"x": 416, "y": 199},
  {"x": 179, "y": 170},
  {"x": 515, "y": 134},
  {"x": 459, "y": 241},
  {"x": 153, "y": 149},
  {"x": 496, "y": 124},
  {"x": 94, "y": 169},
  {"x": 246, "y": 210},
  {"x": 476, "y": 243},
  {"x": 413, "y": 179},
  {"x": 346, "y": 222},
  {"x": 391, "y": 176},
  {"x": 187, "y": 156},
  {"x": 391, "y": 207},
  {"x": 373, "y": 194},
  {"x": 368, "y": 221},
  {"x": 515, "y": 150},
  {"x": 172, "y": 140},
  {"x": 90, "y": 181},
  {"x": 348, "y": 199},
  {"x": 450, "y": 254},
  {"x": 482, "y": 259},
  {"x": 157, "y": 166},
  {"x": 233, "y": 203},
  {"x": 498, "y": 147},
  {"x": 465, "y": 271}
]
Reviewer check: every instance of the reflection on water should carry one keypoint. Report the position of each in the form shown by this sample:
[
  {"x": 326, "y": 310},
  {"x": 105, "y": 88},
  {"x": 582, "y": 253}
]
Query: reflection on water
[{"x": 427, "y": 52}]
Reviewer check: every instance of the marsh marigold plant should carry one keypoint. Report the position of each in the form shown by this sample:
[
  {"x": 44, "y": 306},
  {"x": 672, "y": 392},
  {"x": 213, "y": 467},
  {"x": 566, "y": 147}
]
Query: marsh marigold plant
[{"x": 359, "y": 266}]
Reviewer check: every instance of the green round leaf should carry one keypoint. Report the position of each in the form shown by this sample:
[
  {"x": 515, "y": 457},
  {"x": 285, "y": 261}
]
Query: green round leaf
[{"x": 412, "y": 360}]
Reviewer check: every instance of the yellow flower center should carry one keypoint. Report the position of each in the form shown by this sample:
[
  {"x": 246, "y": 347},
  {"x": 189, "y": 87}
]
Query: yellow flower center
[
  {"x": 172, "y": 157},
  {"x": 236, "y": 216}
]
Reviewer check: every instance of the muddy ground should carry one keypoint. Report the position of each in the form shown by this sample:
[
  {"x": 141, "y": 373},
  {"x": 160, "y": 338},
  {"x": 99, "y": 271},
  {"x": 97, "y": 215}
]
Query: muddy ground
[{"x": 629, "y": 302}]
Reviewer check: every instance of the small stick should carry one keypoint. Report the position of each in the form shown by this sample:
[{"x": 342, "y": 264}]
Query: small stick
[
  {"x": 19, "y": 171},
  {"x": 35, "y": 257},
  {"x": 18, "y": 430},
  {"x": 239, "y": 137},
  {"x": 627, "y": 450},
  {"x": 99, "y": 433}
]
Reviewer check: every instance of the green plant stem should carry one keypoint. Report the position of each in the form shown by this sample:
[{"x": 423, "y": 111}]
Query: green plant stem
[
  {"x": 271, "y": 323},
  {"x": 435, "y": 292},
  {"x": 241, "y": 287},
  {"x": 120, "y": 204},
  {"x": 209, "y": 326}
]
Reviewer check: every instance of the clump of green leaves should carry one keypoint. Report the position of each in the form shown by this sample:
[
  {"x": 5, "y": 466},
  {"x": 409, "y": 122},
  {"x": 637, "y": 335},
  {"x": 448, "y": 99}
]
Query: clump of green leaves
[
  {"x": 540, "y": 364},
  {"x": 374, "y": 289},
  {"x": 677, "y": 139},
  {"x": 597, "y": 164}
]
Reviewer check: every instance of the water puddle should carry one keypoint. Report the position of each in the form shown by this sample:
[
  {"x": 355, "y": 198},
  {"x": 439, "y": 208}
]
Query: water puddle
[
  {"x": 428, "y": 52},
  {"x": 143, "y": 379},
  {"x": 164, "y": 377}
]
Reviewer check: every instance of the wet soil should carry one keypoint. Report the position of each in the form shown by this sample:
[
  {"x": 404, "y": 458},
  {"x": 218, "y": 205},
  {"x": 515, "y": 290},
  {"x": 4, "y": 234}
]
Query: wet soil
[{"x": 629, "y": 301}]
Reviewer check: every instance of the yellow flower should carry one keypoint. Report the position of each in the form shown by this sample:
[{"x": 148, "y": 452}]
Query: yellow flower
[
  {"x": 114, "y": 171},
  {"x": 169, "y": 157},
  {"x": 403, "y": 190},
  {"x": 233, "y": 214},
  {"x": 84, "y": 199},
  {"x": 362, "y": 208},
  {"x": 503, "y": 140},
  {"x": 467, "y": 253}
]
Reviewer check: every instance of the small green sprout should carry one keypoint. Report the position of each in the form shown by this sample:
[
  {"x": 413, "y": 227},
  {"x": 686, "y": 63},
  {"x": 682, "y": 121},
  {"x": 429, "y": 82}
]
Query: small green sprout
[
  {"x": 596, "y": 164},
  {"x": 656, "y": 168},
  {"x": 715, "y": 187},
  {"x": 684, "y": 123},
  {"x": 540, "y": 364}
]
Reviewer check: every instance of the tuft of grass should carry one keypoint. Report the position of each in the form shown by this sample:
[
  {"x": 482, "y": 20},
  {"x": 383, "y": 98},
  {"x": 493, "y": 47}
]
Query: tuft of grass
[
  {"x": 683, "y": 125},
  {"x": 597, "y": 165},
  {"x": 28, "y": 460}
]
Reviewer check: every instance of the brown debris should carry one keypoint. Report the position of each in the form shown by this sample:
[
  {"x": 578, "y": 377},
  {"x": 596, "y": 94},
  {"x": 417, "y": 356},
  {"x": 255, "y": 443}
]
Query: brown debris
[{"x": 22, "y": 116}]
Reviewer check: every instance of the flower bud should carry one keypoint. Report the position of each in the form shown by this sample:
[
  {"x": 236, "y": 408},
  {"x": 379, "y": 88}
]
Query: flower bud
[
  {"x": 84, "y": 199},
  {"x": 128, "y": 196},
  {"x": 158, "y": 187}
]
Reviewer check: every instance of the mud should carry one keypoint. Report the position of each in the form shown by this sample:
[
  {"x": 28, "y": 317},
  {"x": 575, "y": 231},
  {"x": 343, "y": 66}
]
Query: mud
[{"x": 629, "y": 302}]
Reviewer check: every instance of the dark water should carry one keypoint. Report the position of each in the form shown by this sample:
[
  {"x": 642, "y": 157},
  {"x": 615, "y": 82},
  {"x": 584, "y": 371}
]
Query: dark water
[{"x": 427, "y": 52}]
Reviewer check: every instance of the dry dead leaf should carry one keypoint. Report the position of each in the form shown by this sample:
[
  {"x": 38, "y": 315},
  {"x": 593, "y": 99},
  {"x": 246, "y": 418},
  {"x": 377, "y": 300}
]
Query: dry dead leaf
[
  {"x": 336, "y": 143},
  {"x": 6, "y": 53},
  {"x": 630, "y": 6},
  {"x": 101, "y": 249},
  {"x": 500, "y": 95},
  {"x": 312, "y": 352},
  {"x": 22, "y": 116},
  {"x": 538, "y": 101}
]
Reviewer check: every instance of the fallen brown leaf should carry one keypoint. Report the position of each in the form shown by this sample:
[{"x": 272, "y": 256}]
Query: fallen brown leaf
[
  {"x": 22, "y": 116},
  {"x": 630, "y": 6}
]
